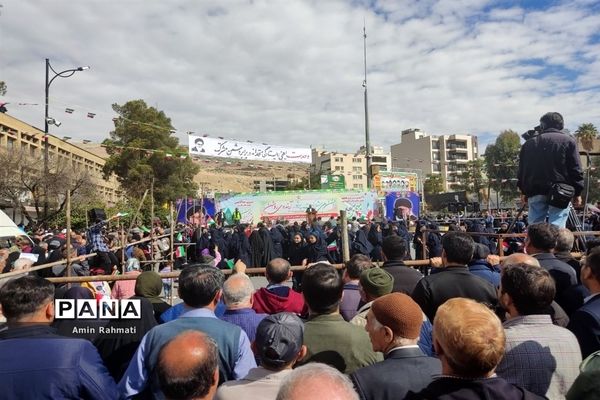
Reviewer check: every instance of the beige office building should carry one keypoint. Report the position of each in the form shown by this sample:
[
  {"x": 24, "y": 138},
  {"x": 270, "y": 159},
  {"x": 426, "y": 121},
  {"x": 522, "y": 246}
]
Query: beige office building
[
  {"x": 446, "y": 155},
  {"x": 352, "y": 165},
  {"x": 16, "y": 135}
]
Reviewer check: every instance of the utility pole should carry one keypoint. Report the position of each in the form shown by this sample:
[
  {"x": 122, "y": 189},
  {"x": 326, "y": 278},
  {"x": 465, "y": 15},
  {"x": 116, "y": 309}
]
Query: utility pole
[{"x": 367, "y": 139}]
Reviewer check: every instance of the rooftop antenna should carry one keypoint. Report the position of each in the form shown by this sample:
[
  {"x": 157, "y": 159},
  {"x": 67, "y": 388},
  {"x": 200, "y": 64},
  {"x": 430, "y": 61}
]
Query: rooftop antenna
[{"x": 367, "y": 139}]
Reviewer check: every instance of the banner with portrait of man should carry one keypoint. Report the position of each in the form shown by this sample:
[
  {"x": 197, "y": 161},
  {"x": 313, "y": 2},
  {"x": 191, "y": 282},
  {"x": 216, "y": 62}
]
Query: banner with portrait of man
[{"x": 215, "y": 147}]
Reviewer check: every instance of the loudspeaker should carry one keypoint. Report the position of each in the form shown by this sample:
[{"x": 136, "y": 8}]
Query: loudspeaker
[{"x": 96, "y": 214}]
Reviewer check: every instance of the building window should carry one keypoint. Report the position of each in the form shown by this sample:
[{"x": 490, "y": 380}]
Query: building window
[
  {"x": 356, "y": 176},
  {"x": 10, "y": 144},
  {"x": 356, "y": 169},
  {"x": 338, "y": 159},
  {"x": 435, "y": 167},
  {"x": 356, "y": 160}
]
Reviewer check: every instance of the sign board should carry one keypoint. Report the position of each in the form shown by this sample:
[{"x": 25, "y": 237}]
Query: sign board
[
  {"x": 399, "y": 181},
  {"x": 377, "y": 181},
  {"x": 292, "y": 205},
  {"x": 401, "y": 205},
  {"x": 211, "y": 147},
  {"x": 195, "y": 210},
  {"x": 333, "y": 181}
]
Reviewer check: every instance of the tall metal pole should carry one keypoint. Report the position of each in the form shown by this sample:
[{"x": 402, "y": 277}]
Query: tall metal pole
[
  {"x": 62, "y": 74},
  {"x": 68, "y": 212},
  {"x": 46, "y": 144},
  {"x": 367, "y": 139}
]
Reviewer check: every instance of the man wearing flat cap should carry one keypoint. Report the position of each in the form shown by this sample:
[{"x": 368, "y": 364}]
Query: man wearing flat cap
[
  {"x": 278, "y": 346},
  {"x": 394, "y": 325},
  {"x": 373, "y": 283}
]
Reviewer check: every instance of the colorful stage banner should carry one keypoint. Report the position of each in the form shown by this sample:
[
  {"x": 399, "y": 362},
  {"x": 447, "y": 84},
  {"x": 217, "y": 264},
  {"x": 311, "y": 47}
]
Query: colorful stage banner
[
  {"x": 292, "y": 206},
  {"x": 214, "y": 147}
]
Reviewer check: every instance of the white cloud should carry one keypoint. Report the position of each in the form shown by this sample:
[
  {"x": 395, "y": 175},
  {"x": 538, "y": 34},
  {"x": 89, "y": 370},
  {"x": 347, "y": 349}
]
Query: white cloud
[{"x": 290, "y": 72}]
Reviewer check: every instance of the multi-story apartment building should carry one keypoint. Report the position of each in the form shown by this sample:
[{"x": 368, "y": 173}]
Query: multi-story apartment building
[
  {"x": 446, "y": 155},
  {"x": 352, "y": 165},
  {"x": 16, "y": 135}
]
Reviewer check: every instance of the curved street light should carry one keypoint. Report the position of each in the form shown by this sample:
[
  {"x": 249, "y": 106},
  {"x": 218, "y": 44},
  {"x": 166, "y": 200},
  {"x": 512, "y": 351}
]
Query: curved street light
[{"x": 47, "y": 120}]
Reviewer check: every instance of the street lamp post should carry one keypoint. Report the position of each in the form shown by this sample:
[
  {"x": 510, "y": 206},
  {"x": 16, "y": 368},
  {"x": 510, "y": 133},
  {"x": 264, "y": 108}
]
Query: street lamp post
[{"x": 47, "y": 120}]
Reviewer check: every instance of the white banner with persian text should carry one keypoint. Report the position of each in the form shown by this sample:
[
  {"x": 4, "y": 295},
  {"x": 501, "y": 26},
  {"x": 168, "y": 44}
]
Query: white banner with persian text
[{"x": 211, "y": 147}]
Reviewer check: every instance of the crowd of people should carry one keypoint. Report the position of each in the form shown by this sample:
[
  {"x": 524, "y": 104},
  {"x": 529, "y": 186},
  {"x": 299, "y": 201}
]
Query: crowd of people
[{"x": 468, "y": 326}]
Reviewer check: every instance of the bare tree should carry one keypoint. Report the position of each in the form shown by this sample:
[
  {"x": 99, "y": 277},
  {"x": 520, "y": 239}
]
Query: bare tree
[{"x": 25, "y": 183}]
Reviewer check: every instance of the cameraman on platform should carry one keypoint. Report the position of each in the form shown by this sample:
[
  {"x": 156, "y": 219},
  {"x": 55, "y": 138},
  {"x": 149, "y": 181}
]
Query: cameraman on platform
[{"x": 550, "y": 174}]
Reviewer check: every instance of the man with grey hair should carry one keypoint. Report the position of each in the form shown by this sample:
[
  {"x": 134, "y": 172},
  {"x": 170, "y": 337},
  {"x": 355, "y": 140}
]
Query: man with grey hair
[
  {"x": 237, "y": 296},
  {"x": 200, "y": 288},
  {"x": 562, "y": 250},
  {"x": 316, "y": 381}
]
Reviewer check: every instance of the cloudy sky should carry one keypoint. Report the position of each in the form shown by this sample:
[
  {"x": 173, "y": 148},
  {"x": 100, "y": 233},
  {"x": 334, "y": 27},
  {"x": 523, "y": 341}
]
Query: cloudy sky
[{"x": 290, "y": 72}]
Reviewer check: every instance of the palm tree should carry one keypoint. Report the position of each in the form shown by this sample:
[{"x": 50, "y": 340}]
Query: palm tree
[{"x": 586, "y": 133}]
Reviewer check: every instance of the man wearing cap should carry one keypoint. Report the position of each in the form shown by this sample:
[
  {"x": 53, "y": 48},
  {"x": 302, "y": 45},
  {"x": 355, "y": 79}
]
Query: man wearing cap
[
  {"x": 278, "y": 345},
  {"x": 373, "y": 283},
  {"x": 377, "y": 282},
  {"x": 394, "y": 325},
  {"x": 328, "y": 338}
]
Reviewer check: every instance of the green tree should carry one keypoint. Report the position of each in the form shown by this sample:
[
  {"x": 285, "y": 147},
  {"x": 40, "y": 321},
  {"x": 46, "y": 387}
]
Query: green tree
[
  {"x": 142, "y": 148},
  {"x": 586, "y": 133},
  {"x": 502, "y": 164},
  {"x": 472, "y": 179},
  {"x": 434, "y": 184},
  {"x": 2, "y": 88}
]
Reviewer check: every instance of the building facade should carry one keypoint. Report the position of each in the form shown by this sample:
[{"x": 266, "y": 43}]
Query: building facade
[
  {"x": 352, "y": 165},
  {"x": 445, "y": 155},
  {"x": 16, "y": 135}
]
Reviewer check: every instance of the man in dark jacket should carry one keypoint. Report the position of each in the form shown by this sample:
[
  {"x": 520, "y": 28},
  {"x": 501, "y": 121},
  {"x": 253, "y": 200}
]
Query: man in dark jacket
[
  {"x": 454, "y": 280},
  {"x": 549, "y": 155},
  {"x": 37, "y": 363},
  {"x": 585, "y": 322},
  {"x": 469, "y": 341},
  {"x": 394, "y": 324},
  {"x": 394, "y": 252},
  {"x": 540, "y": 240}
]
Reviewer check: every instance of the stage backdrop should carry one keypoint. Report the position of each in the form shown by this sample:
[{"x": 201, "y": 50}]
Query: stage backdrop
[
  {"x": 292, "y": 205},
  {"x": 211, "y": 147}
]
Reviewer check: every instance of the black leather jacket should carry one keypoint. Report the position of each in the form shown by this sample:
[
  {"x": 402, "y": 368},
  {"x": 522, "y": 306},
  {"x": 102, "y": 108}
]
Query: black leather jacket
[{"x": 547, "y": 158}]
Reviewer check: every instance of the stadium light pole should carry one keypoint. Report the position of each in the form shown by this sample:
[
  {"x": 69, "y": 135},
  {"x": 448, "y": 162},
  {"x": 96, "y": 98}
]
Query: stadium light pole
[{"x": 63, "y": 74}]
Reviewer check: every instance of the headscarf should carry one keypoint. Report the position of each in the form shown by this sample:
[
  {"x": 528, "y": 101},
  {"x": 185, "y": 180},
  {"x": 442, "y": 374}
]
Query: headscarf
[
  {"x": 361, "y": 244},
  {"x": 149, "y": 285},
  {"x": 316, "y": 251},
  {"x": 79, "y": 292}
]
